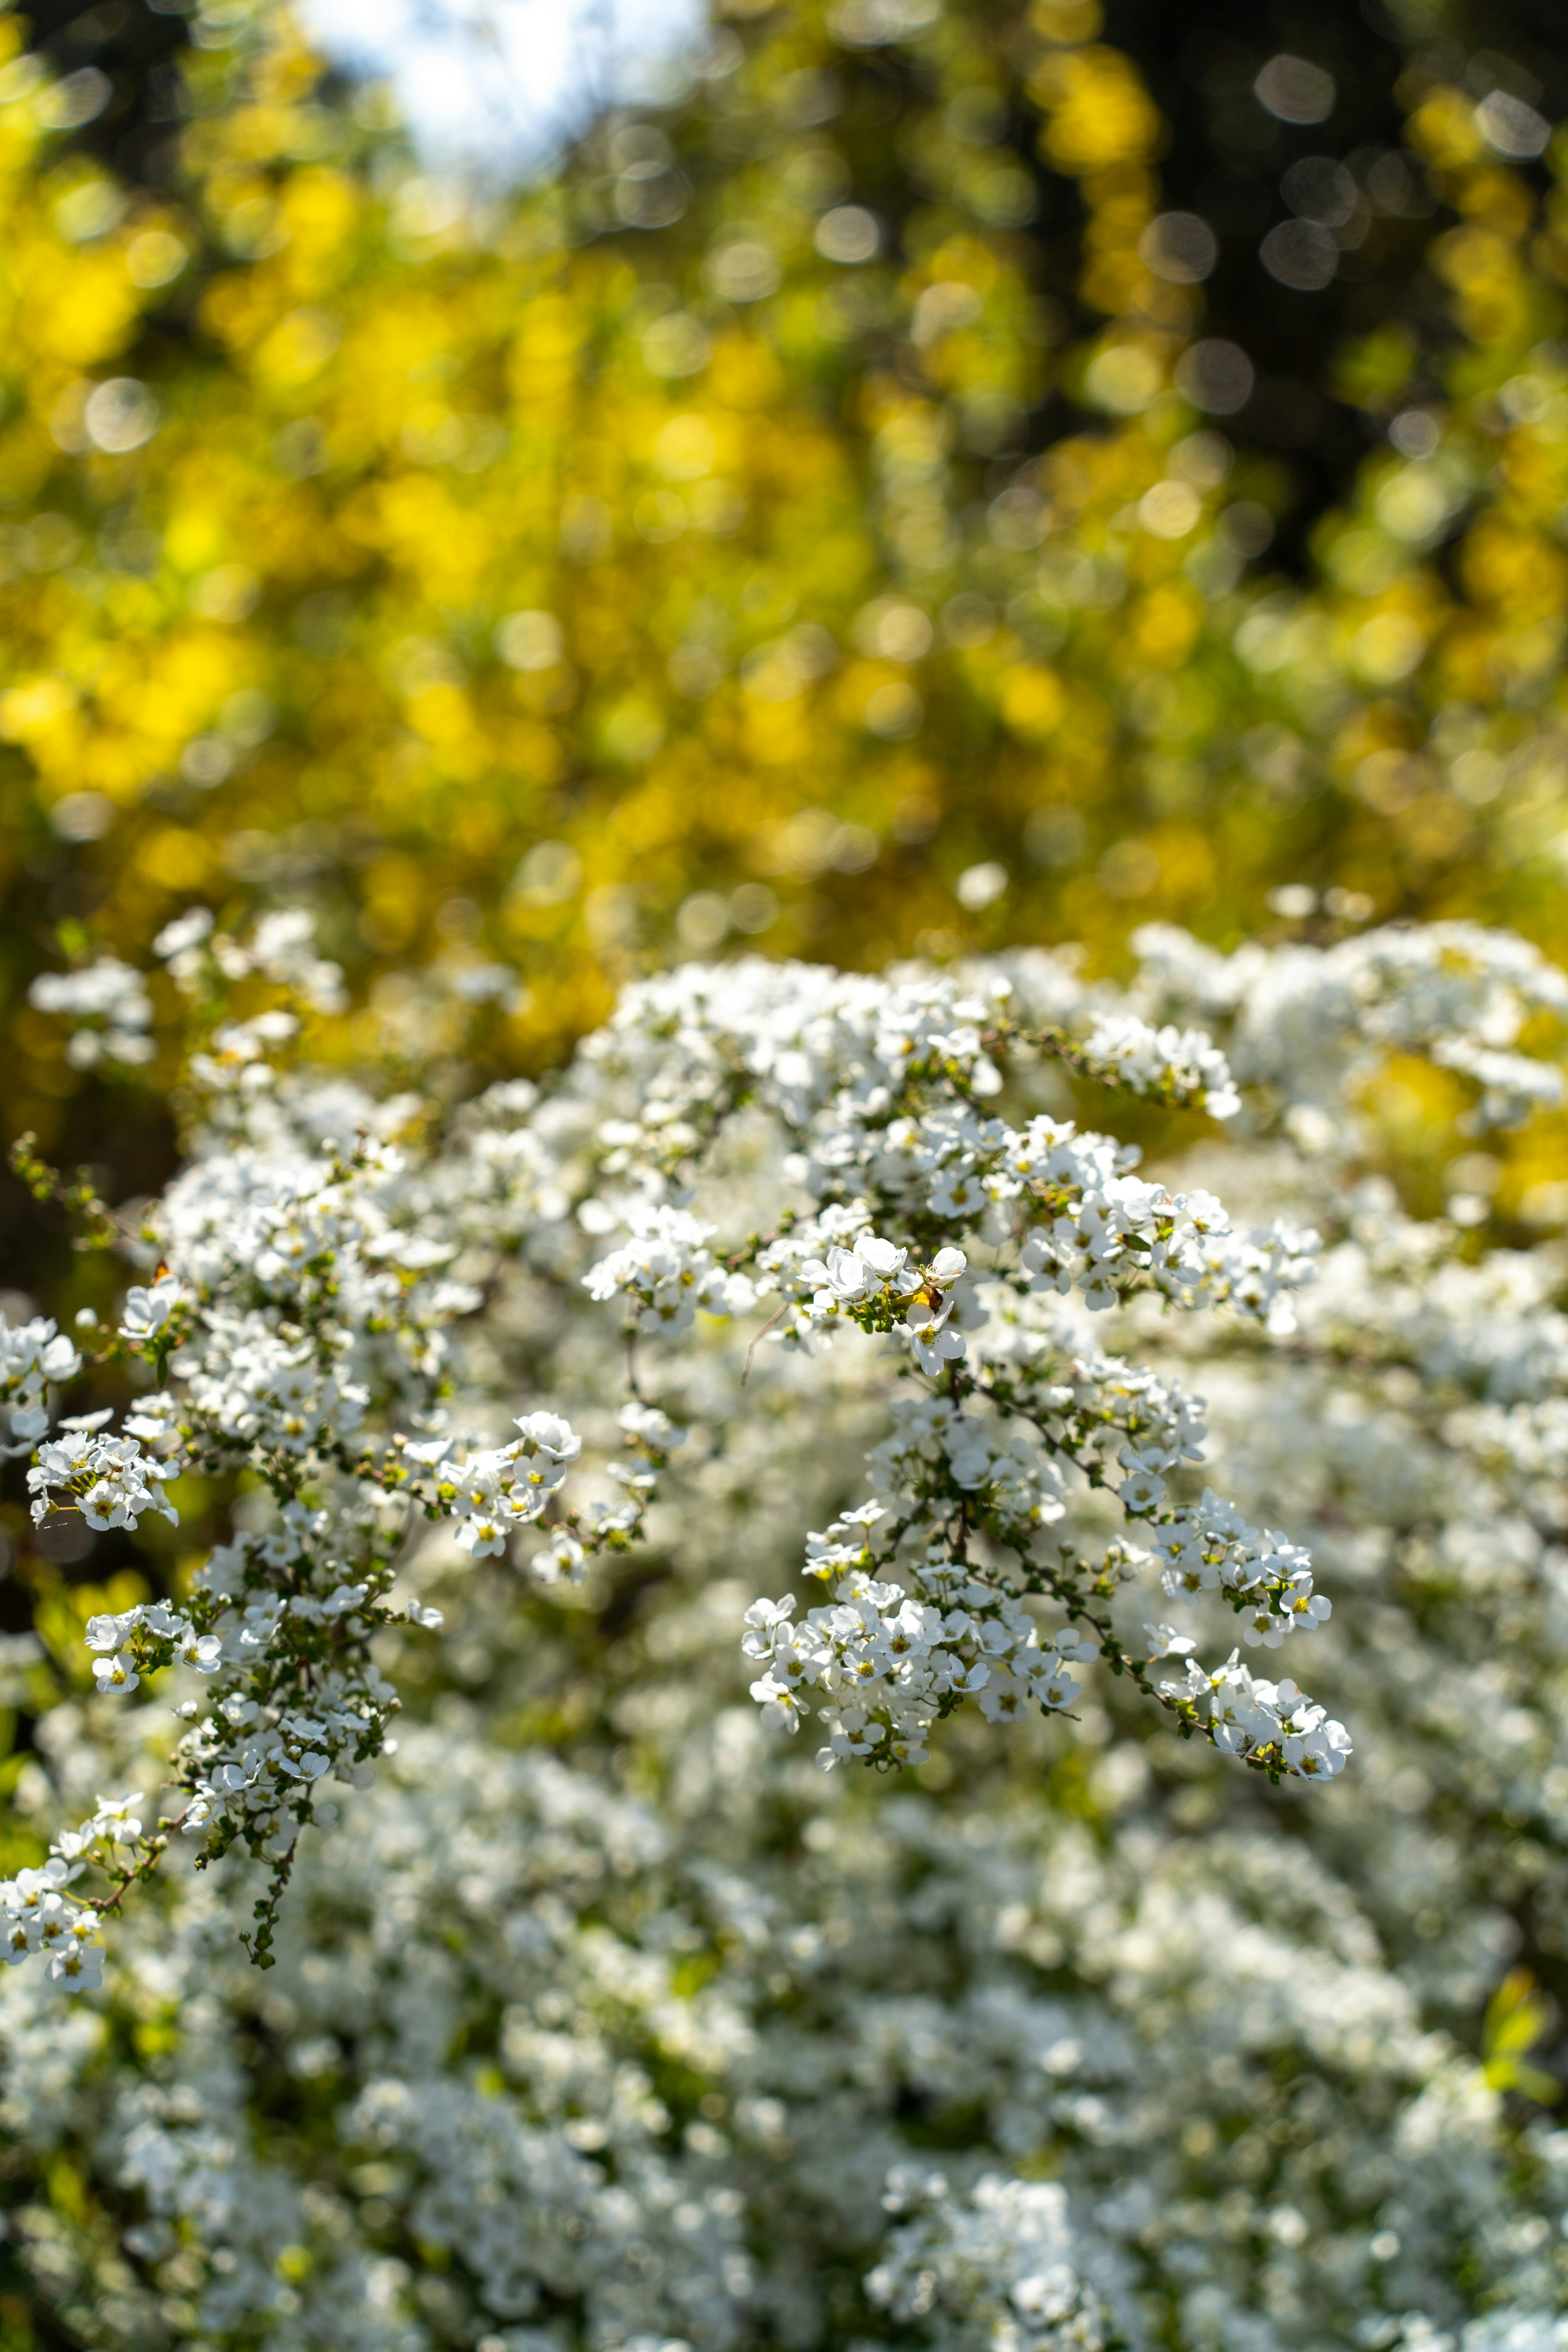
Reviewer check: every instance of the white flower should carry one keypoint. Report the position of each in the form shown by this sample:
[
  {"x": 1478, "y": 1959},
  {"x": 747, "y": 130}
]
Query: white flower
[
  {"x": 146, "y": 1311},
  {"x": 79, "y": 1967},
  {"x": 482, "y": 1535},
  {"x": 1142, "y": 1493},
  {"x": 546, "y": 1434},
  {"x": 184, "y": 932}
]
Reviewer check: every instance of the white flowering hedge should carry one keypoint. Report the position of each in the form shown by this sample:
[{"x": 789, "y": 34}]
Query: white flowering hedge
[{"x": 1036, "y": 1920}]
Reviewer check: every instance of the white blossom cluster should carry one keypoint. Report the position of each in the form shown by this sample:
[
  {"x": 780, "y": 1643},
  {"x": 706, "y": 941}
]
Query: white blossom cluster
[
  {"x": 109, "y": 1008},
  {"x": 1182, "y": 1066},
  {"x": 1006, "y": 2256},
  {"x": 886, "y": 1660},
  {"x": 109, "y": 1479},
  {"x": 1008, "y": 1216},
  {"x": 300, "y": 1310},
  {"x": 43, "y": 1915},
  {"x": 32, "y": 1355},
  {"x": 282, "y": 948},
  {"x": 602, "y": 2020},
  {"x": 666, "y": 1272},
  {"x": 840, "y": 1059},
  {"x": 1311, "y": 1024}
]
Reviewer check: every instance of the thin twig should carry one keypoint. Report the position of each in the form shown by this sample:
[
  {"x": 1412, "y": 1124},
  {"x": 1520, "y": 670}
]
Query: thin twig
[{"x": 761, "y": 1336}]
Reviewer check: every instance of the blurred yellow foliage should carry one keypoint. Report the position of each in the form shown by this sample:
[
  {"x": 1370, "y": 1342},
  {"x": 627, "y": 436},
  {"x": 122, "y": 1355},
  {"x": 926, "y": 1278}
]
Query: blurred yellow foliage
[
  {"x": 1518, "y": 2019},
  {"x": 648, "y": 559}
]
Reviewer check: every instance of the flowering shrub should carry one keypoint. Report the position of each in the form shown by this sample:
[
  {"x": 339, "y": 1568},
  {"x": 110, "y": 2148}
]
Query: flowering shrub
[{"x": 1137, "y": 1997}]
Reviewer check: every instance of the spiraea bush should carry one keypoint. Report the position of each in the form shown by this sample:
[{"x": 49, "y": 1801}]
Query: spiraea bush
[
  {"x": 1118, "y": 1913},
  {"x": 760, "y": 1616}
]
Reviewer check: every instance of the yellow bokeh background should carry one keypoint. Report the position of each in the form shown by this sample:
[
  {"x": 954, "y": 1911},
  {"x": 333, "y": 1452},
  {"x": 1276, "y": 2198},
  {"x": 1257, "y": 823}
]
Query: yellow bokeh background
[{"x": 525, "y": 576}]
